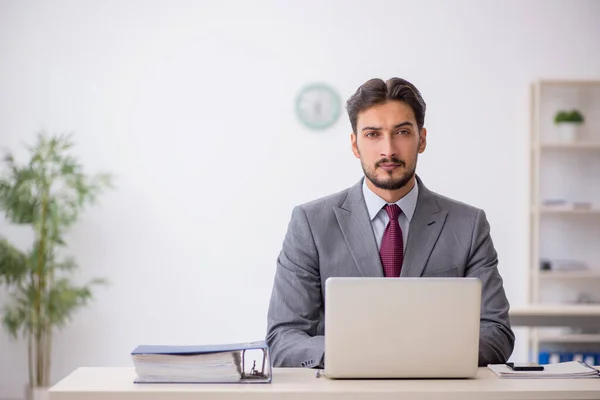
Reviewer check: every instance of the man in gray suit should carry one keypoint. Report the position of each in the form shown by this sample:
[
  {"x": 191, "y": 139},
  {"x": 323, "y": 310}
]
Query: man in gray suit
[{"x": 388, "y": 224}]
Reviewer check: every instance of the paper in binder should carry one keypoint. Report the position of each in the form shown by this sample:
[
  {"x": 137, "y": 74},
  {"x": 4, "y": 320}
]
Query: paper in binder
[
  {"x": 563, "y": 370},
  {"x": 227, "y": 363}
]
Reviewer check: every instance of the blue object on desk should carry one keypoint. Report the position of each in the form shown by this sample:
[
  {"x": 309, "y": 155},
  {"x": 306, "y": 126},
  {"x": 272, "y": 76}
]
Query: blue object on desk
[
  {"x": 551, "y": 357},
  {"x": 566, "y": 357}
]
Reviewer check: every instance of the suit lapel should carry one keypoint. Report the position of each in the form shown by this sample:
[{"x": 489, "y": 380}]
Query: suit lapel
[
  {"x": 355, "y": 225},
  {"x": 425, "y": 228}
]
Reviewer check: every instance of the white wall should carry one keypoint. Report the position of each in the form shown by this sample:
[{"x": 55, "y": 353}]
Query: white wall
[{"x": 190, "y": 104}]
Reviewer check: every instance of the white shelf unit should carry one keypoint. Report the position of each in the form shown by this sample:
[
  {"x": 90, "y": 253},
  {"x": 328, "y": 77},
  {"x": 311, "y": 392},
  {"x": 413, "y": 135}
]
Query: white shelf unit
[{"x": 568, "y": 171}]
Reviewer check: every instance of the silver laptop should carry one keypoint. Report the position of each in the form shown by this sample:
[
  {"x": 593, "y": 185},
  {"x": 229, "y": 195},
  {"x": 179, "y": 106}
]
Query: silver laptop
[{"x": 402, "y": 328}]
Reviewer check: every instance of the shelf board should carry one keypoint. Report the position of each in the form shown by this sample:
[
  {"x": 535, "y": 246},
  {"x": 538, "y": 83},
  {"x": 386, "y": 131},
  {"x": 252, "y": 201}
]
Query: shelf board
[
  {"x": 564, "y": 210},
  {"x": 579, "y": 310},
  {"x": 569, "y": 82},
  {"x": 569, "y": 338},
  {"x": 570, "y": 274},
  {"x": 566, "y": 315},
  {"x": 571, "y": 146}
]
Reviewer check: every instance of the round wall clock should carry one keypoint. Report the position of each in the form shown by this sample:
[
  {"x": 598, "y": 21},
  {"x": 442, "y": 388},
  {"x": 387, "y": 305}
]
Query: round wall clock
[{"x": 318, "y": 106}]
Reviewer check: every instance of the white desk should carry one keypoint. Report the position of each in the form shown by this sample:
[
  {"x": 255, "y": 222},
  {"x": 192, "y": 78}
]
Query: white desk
[{"x": 296, "y": 384}]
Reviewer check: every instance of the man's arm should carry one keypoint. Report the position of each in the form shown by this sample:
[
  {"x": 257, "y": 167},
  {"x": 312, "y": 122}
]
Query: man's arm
[
  {"x": 496, "y": 340},
  {"x": 295, "y": 308}
]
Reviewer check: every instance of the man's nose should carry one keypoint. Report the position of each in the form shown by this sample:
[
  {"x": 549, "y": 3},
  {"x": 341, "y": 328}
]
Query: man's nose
[{"x": 388, "y": 150}]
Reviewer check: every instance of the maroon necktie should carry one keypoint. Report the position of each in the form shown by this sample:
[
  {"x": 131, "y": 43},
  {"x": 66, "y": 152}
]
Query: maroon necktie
[{"x": 392, "y": 245}]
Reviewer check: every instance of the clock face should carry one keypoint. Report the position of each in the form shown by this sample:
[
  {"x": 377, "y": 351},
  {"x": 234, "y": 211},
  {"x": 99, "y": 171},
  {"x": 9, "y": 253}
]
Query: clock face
[{"x": 318, "y": 106}]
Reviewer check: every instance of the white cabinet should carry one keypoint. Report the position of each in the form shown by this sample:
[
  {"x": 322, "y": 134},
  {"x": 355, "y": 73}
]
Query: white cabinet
[{"x": 565, "y": 211}]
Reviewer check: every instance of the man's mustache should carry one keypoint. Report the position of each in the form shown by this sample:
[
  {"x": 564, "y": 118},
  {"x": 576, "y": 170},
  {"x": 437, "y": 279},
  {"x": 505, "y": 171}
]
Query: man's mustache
[{"x": 390, "y": 160}]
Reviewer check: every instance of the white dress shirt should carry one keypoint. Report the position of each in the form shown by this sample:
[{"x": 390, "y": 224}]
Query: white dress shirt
[{"x": 379, "y": 217}]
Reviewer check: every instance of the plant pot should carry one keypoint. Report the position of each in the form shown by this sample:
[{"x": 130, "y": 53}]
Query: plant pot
[
  {"x": 567, "y": 131},
  {"x": 36, "y": 393}
]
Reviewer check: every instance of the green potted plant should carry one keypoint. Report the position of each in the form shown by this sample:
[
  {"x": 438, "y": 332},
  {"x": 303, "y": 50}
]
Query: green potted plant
[
  {"x": 567, "y": 123},
  {"x": 47, "y": 193}
]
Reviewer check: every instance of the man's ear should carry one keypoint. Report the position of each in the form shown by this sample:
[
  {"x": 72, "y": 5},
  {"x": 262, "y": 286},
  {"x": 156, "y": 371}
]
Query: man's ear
[
  {"x": 353, "y": 139},
  {"x": 422, "y": 140}
]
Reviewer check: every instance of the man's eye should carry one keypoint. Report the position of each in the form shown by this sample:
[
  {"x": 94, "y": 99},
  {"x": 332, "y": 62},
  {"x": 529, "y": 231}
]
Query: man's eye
[
  {"x": 404, "y": 132},
  {"x": 371, "y": 134}
]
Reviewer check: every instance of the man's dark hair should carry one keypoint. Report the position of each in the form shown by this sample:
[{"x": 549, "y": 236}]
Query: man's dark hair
[{"x": 376, "y": 91}]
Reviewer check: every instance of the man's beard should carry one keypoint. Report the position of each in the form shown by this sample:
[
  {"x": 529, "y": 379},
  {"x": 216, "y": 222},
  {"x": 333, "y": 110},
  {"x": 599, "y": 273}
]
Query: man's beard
[{"x": 390, "y": 183}]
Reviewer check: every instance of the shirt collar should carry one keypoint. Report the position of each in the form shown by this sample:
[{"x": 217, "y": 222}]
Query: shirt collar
[{"x": 375, "y": 203}]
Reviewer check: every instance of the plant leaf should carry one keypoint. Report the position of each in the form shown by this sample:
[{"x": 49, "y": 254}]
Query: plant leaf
[
  {"x": 64, "y": 299},
  {"x": 13, "y": 263},
  {"x": 14, "y": 320}
]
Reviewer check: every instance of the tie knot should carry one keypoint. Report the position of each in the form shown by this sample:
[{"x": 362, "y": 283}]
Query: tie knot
[{"x": 393, "y": 210}]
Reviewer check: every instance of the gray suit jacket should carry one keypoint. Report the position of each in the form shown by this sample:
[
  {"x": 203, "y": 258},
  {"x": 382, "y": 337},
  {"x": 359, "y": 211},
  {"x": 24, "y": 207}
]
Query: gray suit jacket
[{"x": 333, "y": 236}]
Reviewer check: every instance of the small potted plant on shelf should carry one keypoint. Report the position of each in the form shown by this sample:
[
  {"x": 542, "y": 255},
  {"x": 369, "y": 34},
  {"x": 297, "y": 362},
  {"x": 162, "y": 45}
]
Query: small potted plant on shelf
[
  {"x": 567, "y": 124},
  {"x": 47, "y": 193}
]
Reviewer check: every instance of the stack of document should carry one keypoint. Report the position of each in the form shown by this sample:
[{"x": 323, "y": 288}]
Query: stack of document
[
  {"x": 197, "y": 364},
  {"x": 565, "y": 370}
]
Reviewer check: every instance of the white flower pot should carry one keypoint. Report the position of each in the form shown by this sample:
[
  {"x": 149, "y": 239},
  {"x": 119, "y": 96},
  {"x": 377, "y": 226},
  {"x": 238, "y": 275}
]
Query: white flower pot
[
  {"x": 36, "y": 393},
  {"x": 567, "y": 131}
]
